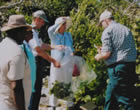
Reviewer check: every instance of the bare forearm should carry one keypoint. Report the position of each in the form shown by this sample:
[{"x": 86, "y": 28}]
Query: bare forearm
[
  {"x": 44, "y": 54},
  {"x": 102, "y": 55},
  {"x": 46, "y": 47},
  {"x": 46, "y": 57}
]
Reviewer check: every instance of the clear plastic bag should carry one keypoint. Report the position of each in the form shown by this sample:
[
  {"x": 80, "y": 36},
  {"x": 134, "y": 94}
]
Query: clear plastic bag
[{"x": 86, "y": 73}]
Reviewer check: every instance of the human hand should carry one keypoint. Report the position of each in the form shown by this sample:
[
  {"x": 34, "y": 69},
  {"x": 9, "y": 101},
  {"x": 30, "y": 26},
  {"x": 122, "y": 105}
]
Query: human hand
[
  {"x": 71, "y": 54},
  {"x": 60, "y": 47},
  {"x": 99, "y": 48},
  {"x": 57, "y": 64},
  {"x": 97, "y": 57}
]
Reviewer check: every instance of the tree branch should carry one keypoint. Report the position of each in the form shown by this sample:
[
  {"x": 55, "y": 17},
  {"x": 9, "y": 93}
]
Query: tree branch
[{"x": 11, "y": 6}]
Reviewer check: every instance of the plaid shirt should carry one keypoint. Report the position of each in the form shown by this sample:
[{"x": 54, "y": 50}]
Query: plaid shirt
[{"x": 118, "y": 39}]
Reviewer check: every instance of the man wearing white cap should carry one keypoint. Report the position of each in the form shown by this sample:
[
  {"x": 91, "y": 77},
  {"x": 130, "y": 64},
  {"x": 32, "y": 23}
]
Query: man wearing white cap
[
  {"x": 14, "y": 69},
  {"x": 39, "y": 50},
  {"x": 119, "y": 52}
]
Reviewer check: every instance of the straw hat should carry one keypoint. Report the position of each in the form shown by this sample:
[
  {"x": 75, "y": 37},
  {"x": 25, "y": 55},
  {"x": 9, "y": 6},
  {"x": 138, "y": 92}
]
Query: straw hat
[
  {"x": 61, "y": 20},
  {"x": 15, "y": 21}
]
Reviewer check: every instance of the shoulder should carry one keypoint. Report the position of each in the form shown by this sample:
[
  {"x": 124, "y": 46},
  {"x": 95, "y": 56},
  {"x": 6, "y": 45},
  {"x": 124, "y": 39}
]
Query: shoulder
[
  {"x": 12, "y": 48},
  {"x": 110, "y": 28},
  {"x": 50, "y": 27},
  {"x": 123, "y": 26},
  {"x": 13, "y": 45}
]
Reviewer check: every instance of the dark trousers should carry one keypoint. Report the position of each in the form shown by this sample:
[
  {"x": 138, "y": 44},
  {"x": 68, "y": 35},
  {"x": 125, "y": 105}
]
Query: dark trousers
[
  {"x": 35, "y": 96},
  {"x": 120, "y": 87}
]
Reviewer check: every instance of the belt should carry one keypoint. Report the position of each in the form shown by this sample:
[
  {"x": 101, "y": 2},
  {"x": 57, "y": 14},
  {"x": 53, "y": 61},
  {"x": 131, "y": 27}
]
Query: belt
[{"x": 114, "y": 64}]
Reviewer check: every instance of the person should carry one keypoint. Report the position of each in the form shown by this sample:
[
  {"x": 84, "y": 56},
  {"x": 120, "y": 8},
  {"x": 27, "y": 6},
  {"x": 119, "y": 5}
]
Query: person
[
  {"x": 14, "y": 68},
  {"x": 59, "y": 37},
  {"x": 31, "y": 60},
  {"x": 30, "y": 56},
  {"x": 119, "y": 52},
  {"x": 39, "y": 51}
]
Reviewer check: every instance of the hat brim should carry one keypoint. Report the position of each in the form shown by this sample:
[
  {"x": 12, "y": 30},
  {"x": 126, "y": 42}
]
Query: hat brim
[
  {"x": 10, "y": 27},
  {"x": 100, "y": 23},
  {"x": 45, "y": 19},
  {"x": 68, "y": 24}
]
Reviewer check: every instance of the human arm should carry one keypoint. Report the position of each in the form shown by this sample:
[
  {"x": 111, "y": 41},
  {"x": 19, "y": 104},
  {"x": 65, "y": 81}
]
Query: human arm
[
  {"x": 102, "y": 55},
  {"x": 45, "y": 46},
  {"x": 104, "y": 52},
  {"x": 51, "y": 31},
  {"x": 37, "y": 47},
  {"x": 16, "y": 75},
  {"x": 44, "y": 55},
  {"x": 50, "y": 47}
]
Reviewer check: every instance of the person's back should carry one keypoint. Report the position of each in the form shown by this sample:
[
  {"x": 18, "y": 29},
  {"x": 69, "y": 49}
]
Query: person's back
[
  {"x": 123, "y": 45},
  {"x": 13, "y": 65},
  {"x": 119, "y": 51},
  {"x": 7, "y": 54}
]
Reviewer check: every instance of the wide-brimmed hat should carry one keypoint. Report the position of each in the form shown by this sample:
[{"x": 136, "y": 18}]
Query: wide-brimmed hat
[
  {"x": 61, "y": 20},
  {"x": 105, "y": 15},
  {"x": 40, "y": 14},
  {"x": 15, "y": 21}
]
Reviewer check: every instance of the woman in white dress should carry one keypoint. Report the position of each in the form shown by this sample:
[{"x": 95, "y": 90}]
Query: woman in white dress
[{"x": 59, "y": 37}]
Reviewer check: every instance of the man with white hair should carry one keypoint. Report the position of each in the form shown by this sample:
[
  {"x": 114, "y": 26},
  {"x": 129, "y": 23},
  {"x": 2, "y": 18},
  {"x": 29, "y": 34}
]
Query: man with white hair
[
  {"x": 119, "y": 52},
  {"x": 39, "y": 51}
]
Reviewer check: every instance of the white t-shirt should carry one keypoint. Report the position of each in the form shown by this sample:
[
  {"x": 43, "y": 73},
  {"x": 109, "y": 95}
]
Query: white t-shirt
[{"x": 35, "y": 42}]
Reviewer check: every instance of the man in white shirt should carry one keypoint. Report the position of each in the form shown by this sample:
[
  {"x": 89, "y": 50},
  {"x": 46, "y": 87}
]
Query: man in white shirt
[{"x": 39, "y": 50}]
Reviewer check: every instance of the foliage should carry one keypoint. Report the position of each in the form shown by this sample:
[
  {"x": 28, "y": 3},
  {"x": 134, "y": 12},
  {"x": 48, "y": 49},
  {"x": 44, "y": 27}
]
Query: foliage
[
  {"x": 86, "y": 33},
  {"x": 52, "y": 8},
  {"x": 61, "y": 90}
]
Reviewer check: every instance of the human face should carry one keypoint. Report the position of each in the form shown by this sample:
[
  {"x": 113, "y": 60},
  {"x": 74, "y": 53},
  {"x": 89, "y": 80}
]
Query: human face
[
  {"x": 62, "y": 28},
  {"x": 39, "y": 23},
  {"x": 21, "y": 33},
  {"x": 29, "y": 36},
  {"x": 104, "y": 24}
]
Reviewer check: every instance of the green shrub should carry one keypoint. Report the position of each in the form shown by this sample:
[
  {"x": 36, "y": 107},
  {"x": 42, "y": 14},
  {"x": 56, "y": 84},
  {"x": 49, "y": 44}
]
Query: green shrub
[{"x": 86, "y": 33}]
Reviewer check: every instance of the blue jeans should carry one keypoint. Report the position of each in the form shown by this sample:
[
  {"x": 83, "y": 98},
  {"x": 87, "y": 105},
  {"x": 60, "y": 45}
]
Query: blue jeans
[{"x": 120, "y": 87}]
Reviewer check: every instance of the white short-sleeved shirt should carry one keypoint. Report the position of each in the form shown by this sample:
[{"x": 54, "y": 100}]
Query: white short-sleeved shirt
[
  {"x": 35, "y": 42},
  {"x": 13, "y": 66}
]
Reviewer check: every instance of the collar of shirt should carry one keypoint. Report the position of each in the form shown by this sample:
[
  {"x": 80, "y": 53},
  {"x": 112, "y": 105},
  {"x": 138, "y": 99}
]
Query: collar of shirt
[{"x": 112, "y": 22}]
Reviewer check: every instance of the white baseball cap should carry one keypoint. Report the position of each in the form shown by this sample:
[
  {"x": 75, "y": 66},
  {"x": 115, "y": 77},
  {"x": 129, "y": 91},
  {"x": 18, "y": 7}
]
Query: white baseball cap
[
  {"x": 40, "y": 14},
  {"x": 105, "y": 15},
  {"x": 59, "y": 21}
]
